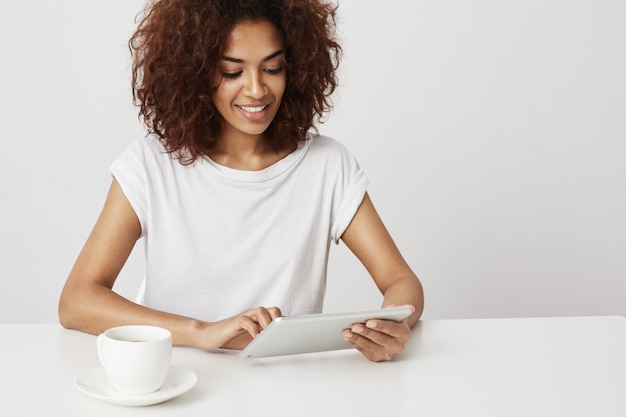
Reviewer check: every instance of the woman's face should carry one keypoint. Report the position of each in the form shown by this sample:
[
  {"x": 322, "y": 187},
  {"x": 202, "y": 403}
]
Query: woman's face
[{"x": 251, "y": 80}]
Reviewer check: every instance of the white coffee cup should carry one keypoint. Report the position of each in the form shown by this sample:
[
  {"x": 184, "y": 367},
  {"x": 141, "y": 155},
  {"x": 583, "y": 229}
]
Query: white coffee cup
[{"x": 136, "y": 358}]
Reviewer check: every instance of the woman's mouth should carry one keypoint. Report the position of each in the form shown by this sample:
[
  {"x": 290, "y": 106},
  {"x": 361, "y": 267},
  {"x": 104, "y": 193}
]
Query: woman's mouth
[
  {"x": 254, "y": 113},
  {"x": 253, "y": 109}
]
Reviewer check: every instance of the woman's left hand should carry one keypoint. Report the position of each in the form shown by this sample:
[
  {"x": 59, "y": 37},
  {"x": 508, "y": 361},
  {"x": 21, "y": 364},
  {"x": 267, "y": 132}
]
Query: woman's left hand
[{"x": 379, "y": 340}]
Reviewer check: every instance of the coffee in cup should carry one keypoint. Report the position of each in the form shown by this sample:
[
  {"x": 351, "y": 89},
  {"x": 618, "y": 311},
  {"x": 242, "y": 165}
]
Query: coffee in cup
[{"x": 136, "y": 358}]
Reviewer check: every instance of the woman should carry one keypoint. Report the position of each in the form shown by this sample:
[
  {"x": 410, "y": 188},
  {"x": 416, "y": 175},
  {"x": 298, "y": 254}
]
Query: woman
[{"x": 235, "y": 197}]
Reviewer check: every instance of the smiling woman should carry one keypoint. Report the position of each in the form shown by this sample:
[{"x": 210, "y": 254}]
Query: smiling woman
[
  {"x": 180, "y": 44},
  {"x": 235, "y": 194},
  {"x": 249, "y": 92}
]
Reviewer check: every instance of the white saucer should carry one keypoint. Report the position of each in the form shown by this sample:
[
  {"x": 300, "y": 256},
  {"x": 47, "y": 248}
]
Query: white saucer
[{"x": 94, "y": 382}]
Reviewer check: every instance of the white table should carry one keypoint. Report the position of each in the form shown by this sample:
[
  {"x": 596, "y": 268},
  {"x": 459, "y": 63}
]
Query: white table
[{"x": 497, "y": 367}]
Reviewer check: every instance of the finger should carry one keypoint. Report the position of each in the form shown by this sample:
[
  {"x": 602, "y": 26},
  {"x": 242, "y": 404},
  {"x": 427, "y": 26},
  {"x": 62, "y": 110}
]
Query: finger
[
  {"x": 379, "y": 338},
  {"x": 274, "y": 312},
  {"x": 249, "y": 324},
  {"x": 367, "y": 347},
  {"x": 391, "y": 344},
  {"x": 262, "y": 315},
  {"x": 394, "y": 329}
]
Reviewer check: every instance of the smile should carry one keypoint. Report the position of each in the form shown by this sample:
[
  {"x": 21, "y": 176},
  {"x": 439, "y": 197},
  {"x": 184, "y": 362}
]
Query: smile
[{"x": 256, "y": 109}]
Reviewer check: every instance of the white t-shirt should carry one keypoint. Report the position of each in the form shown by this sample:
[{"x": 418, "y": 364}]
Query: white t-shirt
[{"x": 220, "y": 241}]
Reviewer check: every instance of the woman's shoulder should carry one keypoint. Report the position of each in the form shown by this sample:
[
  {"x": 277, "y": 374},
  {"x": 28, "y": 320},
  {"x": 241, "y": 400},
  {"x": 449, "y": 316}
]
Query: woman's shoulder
[
  {"x": 330, "y": 149},
  {"x": 327, "y": 144},
  {"x": 146, "y": 145},
  {"x": 331, "y": 156},
  {"x": 145, "y": 149}
]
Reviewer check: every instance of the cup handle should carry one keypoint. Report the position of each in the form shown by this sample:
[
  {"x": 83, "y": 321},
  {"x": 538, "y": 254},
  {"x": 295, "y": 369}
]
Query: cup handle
[{"x": 100, "y": 343}]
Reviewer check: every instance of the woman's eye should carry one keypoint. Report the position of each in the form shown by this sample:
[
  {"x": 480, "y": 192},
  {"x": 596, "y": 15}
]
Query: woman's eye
[
  {"x": 236, "y": 74},
  {"x": 231, "y": 75},
  {"x": 274, "y": 71}
]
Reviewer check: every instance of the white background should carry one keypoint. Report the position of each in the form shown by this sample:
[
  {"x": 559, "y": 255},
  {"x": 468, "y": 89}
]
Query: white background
[{"x": 493, "y": 133}]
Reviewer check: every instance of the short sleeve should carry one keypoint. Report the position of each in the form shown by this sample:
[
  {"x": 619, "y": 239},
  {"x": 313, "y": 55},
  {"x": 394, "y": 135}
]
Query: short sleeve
[
  {"x": 129, "y": 171},
  {"x": 350, "y": 187}
]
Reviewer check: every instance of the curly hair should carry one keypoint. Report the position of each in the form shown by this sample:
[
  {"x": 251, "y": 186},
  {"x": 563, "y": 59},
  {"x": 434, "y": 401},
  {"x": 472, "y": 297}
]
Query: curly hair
[{"x": 177, "y": 48}]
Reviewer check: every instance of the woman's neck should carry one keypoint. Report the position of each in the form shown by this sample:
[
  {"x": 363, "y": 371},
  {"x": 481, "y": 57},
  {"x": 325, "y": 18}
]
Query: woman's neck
[{"x": 246, "y": 152}]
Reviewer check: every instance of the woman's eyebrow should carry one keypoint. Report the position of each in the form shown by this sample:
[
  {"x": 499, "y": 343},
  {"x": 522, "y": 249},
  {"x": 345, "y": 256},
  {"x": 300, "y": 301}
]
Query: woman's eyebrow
[{"x": 241, "y": 61}]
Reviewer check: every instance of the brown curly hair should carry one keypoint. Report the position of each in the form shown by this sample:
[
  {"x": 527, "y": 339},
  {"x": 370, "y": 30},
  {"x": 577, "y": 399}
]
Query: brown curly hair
[{"x": 176, "y": 51}]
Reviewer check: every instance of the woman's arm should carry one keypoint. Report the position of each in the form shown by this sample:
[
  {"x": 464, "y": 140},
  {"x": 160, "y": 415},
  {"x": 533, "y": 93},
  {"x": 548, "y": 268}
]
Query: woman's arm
[
  {"x": 89, "y": 304},
  {"x": 369, "y": 240}
]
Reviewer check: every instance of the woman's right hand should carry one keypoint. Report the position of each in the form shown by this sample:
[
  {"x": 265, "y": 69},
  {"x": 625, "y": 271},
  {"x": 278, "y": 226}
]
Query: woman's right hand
[{"x": 238, "y": 331}]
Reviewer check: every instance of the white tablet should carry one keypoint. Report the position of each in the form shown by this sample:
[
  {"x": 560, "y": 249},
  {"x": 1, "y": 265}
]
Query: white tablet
[{"x": 313, "y": 332}]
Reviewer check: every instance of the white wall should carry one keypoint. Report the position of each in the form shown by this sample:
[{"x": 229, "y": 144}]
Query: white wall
[{"x": 492, "y": 132}]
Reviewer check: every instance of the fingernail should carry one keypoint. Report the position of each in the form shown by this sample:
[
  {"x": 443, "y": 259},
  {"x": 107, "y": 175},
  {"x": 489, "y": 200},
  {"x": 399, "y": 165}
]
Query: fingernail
[
  {"x": 357, "y": 328},
  {"x": 347, "y": 334},
  {"x": 371, "y": 324}
]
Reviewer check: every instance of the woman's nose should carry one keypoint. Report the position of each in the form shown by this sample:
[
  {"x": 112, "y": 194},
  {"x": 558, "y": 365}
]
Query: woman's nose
[{"x": 254, "y": 87}]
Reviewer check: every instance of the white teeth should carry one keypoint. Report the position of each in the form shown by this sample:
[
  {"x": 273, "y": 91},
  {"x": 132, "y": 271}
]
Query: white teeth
[{"x": 252, "y": 109}]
